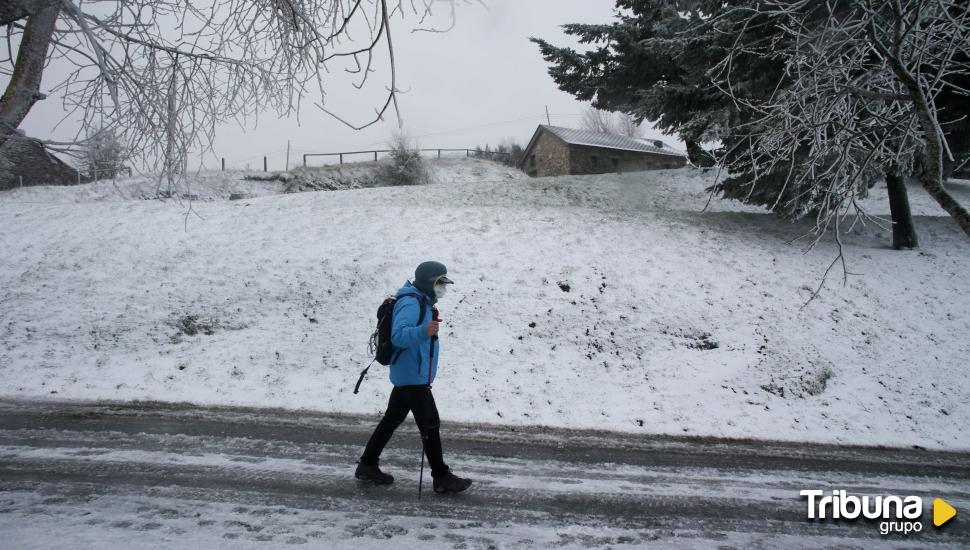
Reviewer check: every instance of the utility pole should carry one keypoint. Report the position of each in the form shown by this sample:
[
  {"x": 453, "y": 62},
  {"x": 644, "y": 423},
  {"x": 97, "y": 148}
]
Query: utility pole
[
  {"x": 548, "y": 121},
  {"x": 287, "y": 156}
]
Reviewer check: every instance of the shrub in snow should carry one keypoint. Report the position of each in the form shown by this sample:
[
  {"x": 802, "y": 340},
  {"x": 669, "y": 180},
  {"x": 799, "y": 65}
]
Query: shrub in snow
[
  {"x": 404, "y": 165},
  {"x": 269, "y": 176},
  {"x": 811, "y": 382},
  {"x": 190, "y": 325},
  {"x": 193, "y": 324},
  {"x": 508, "y": 152},
  {"x": 330, "y": 178},
  {"x": 815, "y": 383},
  {"x": 104, "y": 156}
]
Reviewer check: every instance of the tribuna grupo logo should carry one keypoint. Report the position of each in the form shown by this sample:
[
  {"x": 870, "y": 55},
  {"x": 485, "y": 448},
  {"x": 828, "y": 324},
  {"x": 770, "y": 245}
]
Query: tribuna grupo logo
[{"x": 896, "y": 514}]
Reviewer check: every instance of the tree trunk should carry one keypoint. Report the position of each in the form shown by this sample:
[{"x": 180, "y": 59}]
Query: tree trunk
[
  {"x": 952, "y": 207},
  {"x": 904, "y": 232},
  {"x": 23, "y": 90},
  {"x": 14, "y": 10},
  {"x": 698, "y": 156},
  {"x": 932, "y": 178}
]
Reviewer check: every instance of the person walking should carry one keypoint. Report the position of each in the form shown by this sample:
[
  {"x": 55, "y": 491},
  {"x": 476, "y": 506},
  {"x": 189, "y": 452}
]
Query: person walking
[{"x": 413, "y": 369}]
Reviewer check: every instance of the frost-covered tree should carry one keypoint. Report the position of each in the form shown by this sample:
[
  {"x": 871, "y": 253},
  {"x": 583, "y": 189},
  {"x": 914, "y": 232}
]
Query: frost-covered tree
[
  {"x": 514, "y": 149},
  {"x": 104, "y": 155},
  {"x": 605, "y": 122},
  {"x": 164, "y": 74},
  {"x": 597, "y": 120},
  {"x": 862, "y": 99},
  {"x": 508, "y": 152},
  {"x": 651, "y": 63},
  {"x": 404, "y": 165},
  {"x": 762, "y": 79}
]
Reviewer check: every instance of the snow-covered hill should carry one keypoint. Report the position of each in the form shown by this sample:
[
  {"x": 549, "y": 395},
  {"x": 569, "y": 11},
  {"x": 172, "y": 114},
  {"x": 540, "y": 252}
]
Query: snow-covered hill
[
  {"x": 596, "y": 302},
  {"x": 218, "y": 185}
]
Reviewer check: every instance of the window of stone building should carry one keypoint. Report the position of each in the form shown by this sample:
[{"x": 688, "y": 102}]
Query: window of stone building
[
  {"x": 532, "y": 160},
  {"x": 616, "y": 164},
  {"x": 595, "y": 161}
]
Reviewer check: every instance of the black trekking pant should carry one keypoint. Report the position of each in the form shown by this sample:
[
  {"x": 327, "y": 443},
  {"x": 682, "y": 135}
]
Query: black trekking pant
[{"x": 419, "y": 402}]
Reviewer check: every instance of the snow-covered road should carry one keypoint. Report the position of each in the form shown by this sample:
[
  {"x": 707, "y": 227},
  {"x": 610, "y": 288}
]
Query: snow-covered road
[{"x": 168, "y": 476}]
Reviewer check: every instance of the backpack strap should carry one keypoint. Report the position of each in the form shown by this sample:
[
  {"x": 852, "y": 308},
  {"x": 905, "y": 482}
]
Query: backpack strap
[
  {"x": 420, "y": 300},
  {"x": 363, "y": 373}
]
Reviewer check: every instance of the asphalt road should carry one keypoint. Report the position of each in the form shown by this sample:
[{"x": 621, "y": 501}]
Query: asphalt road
[{"x": 155, "y": 475}]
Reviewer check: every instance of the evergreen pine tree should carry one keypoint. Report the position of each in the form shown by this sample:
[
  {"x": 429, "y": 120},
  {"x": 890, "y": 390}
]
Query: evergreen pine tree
[
  {"x": 663, "y": 61},
  {"x": 651, "y": 63}
]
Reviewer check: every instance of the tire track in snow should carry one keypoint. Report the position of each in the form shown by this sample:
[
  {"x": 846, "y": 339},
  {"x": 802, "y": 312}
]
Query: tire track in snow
[{"x": 555, "y": 482}]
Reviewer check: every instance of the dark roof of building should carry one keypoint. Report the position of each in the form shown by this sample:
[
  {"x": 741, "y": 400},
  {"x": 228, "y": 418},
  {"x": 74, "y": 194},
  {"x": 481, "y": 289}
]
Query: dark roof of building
[
  {"x": 25, "y": 161},
  {"x": 612, "y": 141}
]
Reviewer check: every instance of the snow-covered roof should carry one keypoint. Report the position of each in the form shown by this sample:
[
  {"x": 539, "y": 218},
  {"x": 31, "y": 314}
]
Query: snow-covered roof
[{"x": 612, "y": 141}]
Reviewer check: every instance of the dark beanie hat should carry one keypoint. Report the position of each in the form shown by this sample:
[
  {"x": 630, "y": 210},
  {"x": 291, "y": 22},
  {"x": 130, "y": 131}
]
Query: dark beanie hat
[{"x": 426, "y": 274}]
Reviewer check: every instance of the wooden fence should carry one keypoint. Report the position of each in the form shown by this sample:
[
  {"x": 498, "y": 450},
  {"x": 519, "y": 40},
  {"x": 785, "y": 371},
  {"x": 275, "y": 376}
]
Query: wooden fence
[{"x": 468, "y": 153}]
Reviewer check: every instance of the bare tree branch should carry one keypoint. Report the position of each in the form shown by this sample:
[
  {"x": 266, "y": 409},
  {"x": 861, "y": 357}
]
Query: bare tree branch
[
  {"x": 861, "y": 81},
  {"x": 164, "y": 74}
]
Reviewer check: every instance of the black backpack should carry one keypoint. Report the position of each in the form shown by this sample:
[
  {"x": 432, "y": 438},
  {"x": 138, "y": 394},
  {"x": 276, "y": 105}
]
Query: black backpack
[{"x": 380, "y": 340}]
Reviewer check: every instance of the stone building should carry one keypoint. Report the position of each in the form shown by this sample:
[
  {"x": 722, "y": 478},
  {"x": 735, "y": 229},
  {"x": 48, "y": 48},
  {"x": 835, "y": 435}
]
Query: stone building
[
  {"x": 25, "y": 161},
  {"x": 557, "y": 151}
]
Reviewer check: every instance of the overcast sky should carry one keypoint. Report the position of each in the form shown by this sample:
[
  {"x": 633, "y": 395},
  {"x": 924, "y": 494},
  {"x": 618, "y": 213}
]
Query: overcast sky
[{"x": 478, "y": 83}]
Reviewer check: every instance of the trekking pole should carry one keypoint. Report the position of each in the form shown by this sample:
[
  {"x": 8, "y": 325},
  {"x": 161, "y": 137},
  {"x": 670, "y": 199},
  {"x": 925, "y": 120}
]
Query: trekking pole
[
  {"x": 421, "y": 475},
  {"x": 427, "y": 404}
]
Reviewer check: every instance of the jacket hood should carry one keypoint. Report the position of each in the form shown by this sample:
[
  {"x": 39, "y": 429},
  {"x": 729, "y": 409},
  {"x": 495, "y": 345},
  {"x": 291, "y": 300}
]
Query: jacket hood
[
  {"x": 409, "y": 288},
  {"x": 426, "y": 274}
]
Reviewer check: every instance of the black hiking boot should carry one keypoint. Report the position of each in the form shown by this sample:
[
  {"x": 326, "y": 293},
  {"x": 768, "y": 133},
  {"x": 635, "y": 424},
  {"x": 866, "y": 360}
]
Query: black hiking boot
[
  {"x": 450, "y": 483},
  {"x": 373, "y": 473}
]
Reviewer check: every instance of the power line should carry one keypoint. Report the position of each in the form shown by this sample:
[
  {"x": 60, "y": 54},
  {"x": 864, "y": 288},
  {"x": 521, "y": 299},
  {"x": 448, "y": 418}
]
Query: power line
[
  {"x": 489, "y": 125},
  {"x": 500, "y": 123},
  {"x": 538, "y": 118}
]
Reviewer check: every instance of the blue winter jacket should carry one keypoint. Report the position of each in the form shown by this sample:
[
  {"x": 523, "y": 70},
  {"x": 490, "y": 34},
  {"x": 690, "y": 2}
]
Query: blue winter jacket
[{"x": 410, "y": 367}]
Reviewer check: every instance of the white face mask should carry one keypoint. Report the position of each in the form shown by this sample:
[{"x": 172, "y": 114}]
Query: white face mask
[{"x": 440, "y": 291}]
